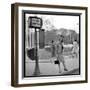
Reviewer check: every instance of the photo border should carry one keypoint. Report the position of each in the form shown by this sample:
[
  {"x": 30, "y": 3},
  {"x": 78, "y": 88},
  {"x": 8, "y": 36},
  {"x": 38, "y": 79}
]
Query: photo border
[{"x": 24, "y": 12}]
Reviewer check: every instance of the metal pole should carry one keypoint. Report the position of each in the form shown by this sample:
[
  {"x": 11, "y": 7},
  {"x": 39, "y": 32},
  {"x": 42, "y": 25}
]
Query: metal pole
[{"x": 37, "y": 70}]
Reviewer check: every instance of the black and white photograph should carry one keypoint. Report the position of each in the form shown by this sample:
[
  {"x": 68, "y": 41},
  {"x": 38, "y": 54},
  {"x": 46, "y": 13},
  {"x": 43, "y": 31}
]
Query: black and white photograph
[{"x": 51, "y": 43}]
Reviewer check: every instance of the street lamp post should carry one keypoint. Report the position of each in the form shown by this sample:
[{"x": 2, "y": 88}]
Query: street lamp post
[{"x": 37, "y": 70}]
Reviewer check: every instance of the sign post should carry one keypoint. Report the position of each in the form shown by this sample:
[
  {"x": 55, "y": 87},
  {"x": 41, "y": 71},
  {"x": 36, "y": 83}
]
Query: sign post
[{"x": 36, "y": 23}]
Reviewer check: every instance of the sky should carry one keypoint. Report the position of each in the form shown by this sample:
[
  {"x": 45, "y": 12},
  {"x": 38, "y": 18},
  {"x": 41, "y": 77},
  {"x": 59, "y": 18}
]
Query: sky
[{"x": 59, "y": 21}]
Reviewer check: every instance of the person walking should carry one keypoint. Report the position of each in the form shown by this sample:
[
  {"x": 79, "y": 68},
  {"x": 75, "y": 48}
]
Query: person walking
[
  {"x": 52, "y": 49},
  {"x": 75, "y": 50},
  {"x": 60, "y": 56}
]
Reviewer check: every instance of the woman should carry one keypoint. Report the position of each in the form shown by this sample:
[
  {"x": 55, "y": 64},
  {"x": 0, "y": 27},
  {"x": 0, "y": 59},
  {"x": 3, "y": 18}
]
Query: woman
[{"x": 60, "y": 57}]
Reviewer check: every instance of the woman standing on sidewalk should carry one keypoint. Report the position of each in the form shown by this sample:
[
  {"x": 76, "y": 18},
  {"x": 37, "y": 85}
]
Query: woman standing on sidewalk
[{"x": 60, "y": 57}]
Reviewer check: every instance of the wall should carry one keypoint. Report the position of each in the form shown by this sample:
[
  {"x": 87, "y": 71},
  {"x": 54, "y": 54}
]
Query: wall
[{"x": 5, "y": 45}]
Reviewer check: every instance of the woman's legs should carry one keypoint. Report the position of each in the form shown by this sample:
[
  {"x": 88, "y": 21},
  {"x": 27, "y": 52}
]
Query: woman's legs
[
  {"x": 59, "y": 66},
  {"x": 63, "y": 62},
  {"x": 65, "y": 68},
  {"x": 61, "y": 59}
]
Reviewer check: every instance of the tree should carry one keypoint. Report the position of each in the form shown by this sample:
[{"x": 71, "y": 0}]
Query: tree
[{"x": 48, "y": 23}]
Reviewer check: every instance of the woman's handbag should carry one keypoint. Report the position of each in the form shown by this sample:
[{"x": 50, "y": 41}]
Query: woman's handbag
[{"x": 56, "y": 62}]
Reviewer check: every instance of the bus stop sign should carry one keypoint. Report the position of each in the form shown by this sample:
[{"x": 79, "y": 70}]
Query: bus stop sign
[{"x": 35, "y": 22}]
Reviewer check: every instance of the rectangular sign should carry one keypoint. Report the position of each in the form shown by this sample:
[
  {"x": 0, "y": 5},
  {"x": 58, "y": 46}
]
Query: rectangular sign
[{"x": 35, "y": 22}]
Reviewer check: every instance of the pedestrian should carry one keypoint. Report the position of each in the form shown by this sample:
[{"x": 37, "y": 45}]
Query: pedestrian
[
  {"x": 52, "y": 49},
  {"x": 60, "y": 56},
  {"x": 75, "y": 49}
]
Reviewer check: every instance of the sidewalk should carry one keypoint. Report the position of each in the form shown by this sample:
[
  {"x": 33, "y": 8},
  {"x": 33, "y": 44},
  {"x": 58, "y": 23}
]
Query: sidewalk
[{"x": 47, "y": 67}]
